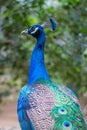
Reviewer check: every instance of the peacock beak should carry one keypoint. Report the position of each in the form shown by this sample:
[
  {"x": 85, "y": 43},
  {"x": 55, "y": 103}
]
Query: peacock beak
[{"x": 24, "y": 31}]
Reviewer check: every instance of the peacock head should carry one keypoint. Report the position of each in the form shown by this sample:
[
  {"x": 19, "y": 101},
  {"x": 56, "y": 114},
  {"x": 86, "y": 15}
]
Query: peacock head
[{"x": 35, "y": 30}]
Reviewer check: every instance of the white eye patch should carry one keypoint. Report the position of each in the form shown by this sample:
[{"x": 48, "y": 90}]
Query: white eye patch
[{"x": 34, "y": 30}]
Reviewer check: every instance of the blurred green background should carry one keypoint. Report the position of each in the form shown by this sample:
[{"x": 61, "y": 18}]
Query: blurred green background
[{"x": 65, "y": 50}]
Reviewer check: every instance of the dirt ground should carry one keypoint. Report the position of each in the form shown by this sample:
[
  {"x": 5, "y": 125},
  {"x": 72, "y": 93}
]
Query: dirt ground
[{"x": 8, "y": 114}]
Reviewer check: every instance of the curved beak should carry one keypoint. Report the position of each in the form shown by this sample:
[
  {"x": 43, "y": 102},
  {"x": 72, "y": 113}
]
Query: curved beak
[{"x": 24, "y": 31}]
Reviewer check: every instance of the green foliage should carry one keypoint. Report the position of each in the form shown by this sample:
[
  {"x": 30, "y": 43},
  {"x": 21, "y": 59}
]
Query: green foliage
[{"x": 65, "y": 51}]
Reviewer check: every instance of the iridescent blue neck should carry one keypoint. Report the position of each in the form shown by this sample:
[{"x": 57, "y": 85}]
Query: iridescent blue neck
[{"x": 37, "y": 66}]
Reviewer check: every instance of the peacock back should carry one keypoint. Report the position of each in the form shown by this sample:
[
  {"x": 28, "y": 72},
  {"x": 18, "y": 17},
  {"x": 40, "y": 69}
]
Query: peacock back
[{"x": 50, "y": 106}]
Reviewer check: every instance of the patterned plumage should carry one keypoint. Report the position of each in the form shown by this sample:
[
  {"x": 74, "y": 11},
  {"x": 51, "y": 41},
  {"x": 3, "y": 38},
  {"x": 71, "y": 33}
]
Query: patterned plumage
[{"x": 42, "y": 104}]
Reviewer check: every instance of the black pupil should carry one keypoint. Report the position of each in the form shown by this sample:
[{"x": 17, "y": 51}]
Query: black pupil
[
  {"x": 32, "y": 29},
  {"x": 62, "y": 110}
]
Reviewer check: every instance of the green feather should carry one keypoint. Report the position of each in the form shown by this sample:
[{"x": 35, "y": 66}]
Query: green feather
[{"x": 67, "y": 113}]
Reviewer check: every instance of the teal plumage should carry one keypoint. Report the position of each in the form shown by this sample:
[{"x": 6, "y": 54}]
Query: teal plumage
[{"x": 42, "y": 104}]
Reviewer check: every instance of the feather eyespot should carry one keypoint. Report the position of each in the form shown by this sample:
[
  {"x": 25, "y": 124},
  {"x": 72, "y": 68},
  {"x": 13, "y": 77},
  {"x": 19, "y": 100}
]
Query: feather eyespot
[
  {"x": 67, "y": 125},
  {"x": 62, "y": 111}
]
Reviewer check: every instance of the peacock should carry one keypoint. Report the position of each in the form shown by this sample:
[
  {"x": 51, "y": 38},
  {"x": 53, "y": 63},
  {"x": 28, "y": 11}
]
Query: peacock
[{"x": 43, "y": 104}]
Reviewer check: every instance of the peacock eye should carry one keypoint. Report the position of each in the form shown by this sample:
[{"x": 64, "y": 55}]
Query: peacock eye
[{"x": 32, "y": 29}]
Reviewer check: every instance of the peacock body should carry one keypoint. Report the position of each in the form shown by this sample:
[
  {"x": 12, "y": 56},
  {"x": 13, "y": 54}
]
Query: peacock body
[{"x": 42, "y": 104}]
